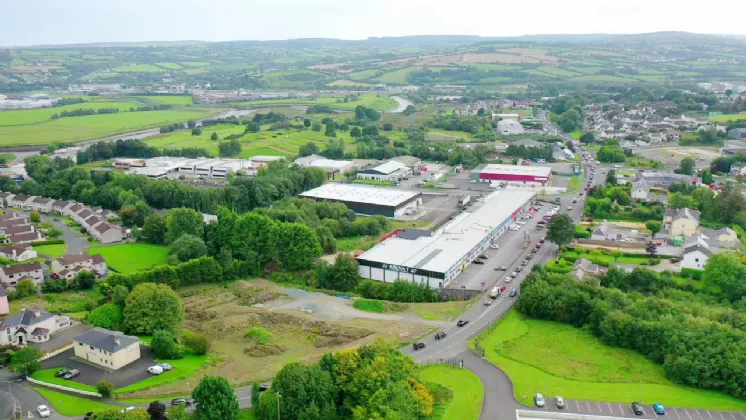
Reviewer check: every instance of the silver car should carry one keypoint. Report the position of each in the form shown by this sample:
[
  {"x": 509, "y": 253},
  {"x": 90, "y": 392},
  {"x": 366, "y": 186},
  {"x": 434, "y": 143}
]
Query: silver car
[{"x": 539, "y": 400}]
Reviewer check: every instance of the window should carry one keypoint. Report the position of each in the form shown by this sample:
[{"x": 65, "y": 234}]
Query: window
[{"x": 696, "y": 260}]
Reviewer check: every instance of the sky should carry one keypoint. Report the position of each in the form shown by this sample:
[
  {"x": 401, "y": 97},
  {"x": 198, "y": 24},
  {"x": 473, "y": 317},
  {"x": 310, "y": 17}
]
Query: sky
[{"x": 34, "y": 22}]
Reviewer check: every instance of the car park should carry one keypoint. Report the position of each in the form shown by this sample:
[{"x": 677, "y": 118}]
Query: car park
[
  {"x": 165, "y": 366},
  {"x": 72, "y": 373},
  {"x": 418, "y": 346},
  {"x": 43, "y": 411},
  {"x": 560, "y": 402},
  {"x": 462, "y": 322},
  {"x": 659, "y": 409},
  {"x": 440, "y": 335},
  {"x": 181, "y": 401},
  {"x": 513, "y": 293},
  {"x": 155, "y": 370},
  {"x": 637, "y": 408},
  {"x": 478, "y": 262},
  {"x": 60, "y": 373},
  {"x": 539, "y": 400}
]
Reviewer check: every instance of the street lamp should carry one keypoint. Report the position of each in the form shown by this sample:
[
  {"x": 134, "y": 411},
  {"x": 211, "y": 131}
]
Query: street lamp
[{"x": 278, "y": 405}]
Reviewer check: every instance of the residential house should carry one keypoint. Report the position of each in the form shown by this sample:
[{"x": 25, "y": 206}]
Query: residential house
[
  {"x": 107, "y": 233},
  {"x": 15, "y": 230},
  {"x": 26, "y": 238},
  {"x": 4, "y": 306},
  {"x": 18, "y": 253},
  {"x": 19, "y": 201},
  {"x": 723, "y": 237},
  {"x": 69, "y": 266},
  {"x": 10, "y": 275},
  {"x": 585, "y": 270},
  {"x": 30, "y": 326},
  {"x": 41, "y": 204},
  {"x": 663, "y": 179},
  {"x": 681, "y": 222},
  {"x": 640, "y": 191},
  {"x": 108, "y": 349},
  {"x": 737, "y": 133},
  {"x": 738, "y": 169},
  {"x": 72, "y": 210},
  {"x": 695, "y": 256},
  {"x": 14, "y": 219},
  {"x": 81, "y": 215},
  {"x": 60, "y": 206}
]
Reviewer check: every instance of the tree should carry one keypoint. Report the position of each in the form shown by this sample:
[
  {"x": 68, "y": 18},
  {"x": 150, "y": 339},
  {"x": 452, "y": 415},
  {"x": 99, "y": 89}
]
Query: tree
[
  {"x": 687, "y": 166},
  {"x": 611, "y": 178},
  {"x": 229, "y": 148},
  {"x": 343, "y": 275},
  {"x": 480, "y": 112},
  {"x": 107, "y": 316},
  {"x": 561, "y": 229},
  {"x": 305, "y": 392},
  {"x": 196, "y": 131},
  {"x": 117, "y": 414},
  {"x": 651, "y": 249},
  {"x": 152, "y": 307},
  {"x": 330, "y": 131},
  {"x": 316, "y": 126},
  {"x": 181, "y": 221},
  {"x": 54, "y": 233},
  {"x": 105, "y": 388},
  {"x": 724, "y": 270},
  {"x": 26, "y": 288},
  {"x": 681, "y": 201},
  {"x": 35, "y": 217},
  {"x": 255, "y": 394},
  {"x": 26, "y": 361},
  {"x": 388, "y": 127},
  {"x": 191, "y": 124},
  {"x": 179, "y": 412},
  {"x": 214, "y": 136},
  {"x": 154, "y": 228},
  {"x": 216, "y": 399},
  {"x": 157, "y": 410},
  {"x": 653, "y": 226},
  {"x": 165, "y": 346},
  {"x": 253, "y": 127},
  {"x": 587, "y": 138},
  {"x": 187, "y": 247},
  {"x": 306, "y": 123},
  {"x": 198, "y": 343},
  {"x": 299, "y": 246},
  {"x": 84, "y": 280},
  {"x": 308, "y": 149},
  {"x": 355, "y": 132},
  {"x": 409, "y": 110}
]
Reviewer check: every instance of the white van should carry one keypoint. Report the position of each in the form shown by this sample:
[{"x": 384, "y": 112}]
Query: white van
[{"x": 155, "y": 370}]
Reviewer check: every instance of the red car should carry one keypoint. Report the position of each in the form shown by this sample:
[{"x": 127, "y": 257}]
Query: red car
[
  {"x": 538, "y": 246},
  {"x": 541, "y": 222}
]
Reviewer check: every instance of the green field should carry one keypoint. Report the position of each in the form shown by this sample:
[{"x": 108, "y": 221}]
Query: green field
[
  {"x": 139, "y": 68},
  {"x": 94, "y": 126},
  {"x": 364, "y": 74},
  {"x": 68, "y": 405},
  {"x": 728, "y": 117},
  {"x": 370, "y": 100},
  {"x": 126, "y": 258},
  {"x": 54, "y": 251},
  {"x": 167, "y": 99},
  {"x": 558, "y": 359},
  {"x": 33, "y": 116},
  {"x": 467, "y": 389},
  {"x": 169, "y": 66}
]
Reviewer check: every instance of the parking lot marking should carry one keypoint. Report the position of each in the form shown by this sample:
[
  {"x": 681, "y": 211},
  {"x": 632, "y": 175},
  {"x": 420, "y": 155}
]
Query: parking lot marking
[
  {"x": 708, "y": 412},
  {"x": 589, "y": 406},
  {"x": 687, "y": 414},
  {"x": 599, "y": 407},
  {"x": 734, "y": 417},
  {"x": 677, "y": 413},
  {"x": 621, "y": 408},
  {"x": 610, "y": 410},
  {"x": 721, "y": 415}
]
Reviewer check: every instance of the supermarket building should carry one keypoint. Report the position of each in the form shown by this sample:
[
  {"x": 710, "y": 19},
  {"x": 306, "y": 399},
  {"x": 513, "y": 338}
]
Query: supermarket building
[
  {"x": 389, "y": 202},
  {"x": 513, "y": 174},
  {"x": 436, "y": 258}
]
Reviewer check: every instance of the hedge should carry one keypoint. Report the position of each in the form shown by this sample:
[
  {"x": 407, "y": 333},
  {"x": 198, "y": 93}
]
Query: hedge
[
  {"x": 48, "y": 242},
  {"x": 200, "y": 270},
  {"x": 692, "y": 273}
]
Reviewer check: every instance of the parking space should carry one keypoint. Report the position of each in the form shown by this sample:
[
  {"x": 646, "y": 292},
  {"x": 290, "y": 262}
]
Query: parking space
[
  {"x": 62, "y": 338},
  {"x": 90, "y": 374},
  {"x": 625, "y": 410}
]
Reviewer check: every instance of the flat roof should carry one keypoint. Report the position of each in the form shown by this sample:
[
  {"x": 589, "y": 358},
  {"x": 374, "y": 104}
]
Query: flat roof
[
  {"x": 450, "y": 243},
  {"x": 518, "y": 170},
  {"x": 361, "y": 194}
]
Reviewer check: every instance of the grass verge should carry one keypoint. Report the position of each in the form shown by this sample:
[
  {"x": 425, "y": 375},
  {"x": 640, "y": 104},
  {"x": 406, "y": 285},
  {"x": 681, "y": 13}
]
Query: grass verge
[
  {"x": 54, "y": 251},
  {"x": 467, "y": 389},
  {"x": 183, "y": 368},
  {"x": 543, "y": 356},
  {"x": 47, "y": 375},
  {"x": 370, "y": 305},
  {"x": 68, "y": 405}
]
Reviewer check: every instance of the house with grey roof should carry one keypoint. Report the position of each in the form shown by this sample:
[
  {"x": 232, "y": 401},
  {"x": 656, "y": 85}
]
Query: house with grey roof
[
  {"x": 681, "y": 222},
  {"x": 696, "y": 255},
  {"x": 585, "y": 270},
  {"x": 640, "y": 191},
  {"x": 4, "y": 306},
  {"x": 30, "y": 326},
  {"x": 108, "y": 349}
]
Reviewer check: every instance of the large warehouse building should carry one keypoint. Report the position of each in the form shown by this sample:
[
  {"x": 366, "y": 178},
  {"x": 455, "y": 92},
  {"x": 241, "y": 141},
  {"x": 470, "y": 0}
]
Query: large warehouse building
[
  {"x": 513, "y": 174},
  {"x": 436, "y": 259},
  {"x": 388, "y": 202}
]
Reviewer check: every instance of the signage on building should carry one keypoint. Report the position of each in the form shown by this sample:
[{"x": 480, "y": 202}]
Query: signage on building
[{"x": 399, "y": 268}]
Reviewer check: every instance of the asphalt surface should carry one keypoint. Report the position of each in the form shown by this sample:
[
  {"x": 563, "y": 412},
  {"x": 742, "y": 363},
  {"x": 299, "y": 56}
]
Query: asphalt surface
[{"x": 625, "y": 410}]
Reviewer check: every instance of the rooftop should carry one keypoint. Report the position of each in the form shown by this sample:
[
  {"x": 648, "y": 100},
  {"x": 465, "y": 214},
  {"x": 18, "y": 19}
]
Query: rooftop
[
  {"x": 388, "y": 167},
  {"x": 445, "y": 247},
  {"x": 360, "y": 194},
  {"x": 518, "y": 170},
  {"x": 104, "y": 339}
]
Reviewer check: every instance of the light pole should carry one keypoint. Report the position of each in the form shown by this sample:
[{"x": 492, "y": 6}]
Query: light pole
[{"x": 278, "y": 405}]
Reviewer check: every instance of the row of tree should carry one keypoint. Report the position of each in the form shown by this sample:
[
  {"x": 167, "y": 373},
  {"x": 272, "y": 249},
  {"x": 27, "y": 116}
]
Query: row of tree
[
  {"x": 82, "y": 112},
  {"x": 133, "y": 148}
]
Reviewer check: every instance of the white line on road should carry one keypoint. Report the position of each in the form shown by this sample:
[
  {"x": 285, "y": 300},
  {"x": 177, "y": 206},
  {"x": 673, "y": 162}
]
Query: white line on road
[
  {"x": 708, "y": 412},
  {"x": 734, "y": 417},
  {"x": 599, "y": 407},
  {"x": 687, "y": 414},
  {"x": 721, "y": 416},
  {"x": 589, "y": 406},
  {"x": 677, "y": 413},
  {"x": 610, "y": 410}
]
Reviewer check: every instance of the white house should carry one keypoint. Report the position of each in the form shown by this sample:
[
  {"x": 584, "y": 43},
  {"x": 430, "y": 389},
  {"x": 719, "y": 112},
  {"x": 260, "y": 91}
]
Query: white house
[
  {"x": 10, "y": 275},
  {"x": 640, "y": 191},
  {"x": 108, "y": 349},
  {"x": 696, "y": 255},
  {"x": 18, "y": 253},
  {"x": 32, "y": 325}
]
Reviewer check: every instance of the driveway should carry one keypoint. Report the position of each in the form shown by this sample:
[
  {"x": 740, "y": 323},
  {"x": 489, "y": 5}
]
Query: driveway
[
  {"x": 90, "y": 374},
  {"x": 62, "y": 338}
]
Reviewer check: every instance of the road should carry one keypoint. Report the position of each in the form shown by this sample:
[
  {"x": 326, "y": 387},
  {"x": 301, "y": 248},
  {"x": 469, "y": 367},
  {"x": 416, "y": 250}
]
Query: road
[{"x": 403, "y": 104}]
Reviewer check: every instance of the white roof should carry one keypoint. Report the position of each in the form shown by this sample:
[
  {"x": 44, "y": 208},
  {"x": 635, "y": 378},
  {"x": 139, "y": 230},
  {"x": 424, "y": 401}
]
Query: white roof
[
  {"x": 360, "y": 194},
  {"x": 322, "y": 162},
  {"x": 513, "y": 123},
  {"x": 389, "y": 167},
  {"x": 448, "y": 245},
  {"x": 518, "y": 170}
]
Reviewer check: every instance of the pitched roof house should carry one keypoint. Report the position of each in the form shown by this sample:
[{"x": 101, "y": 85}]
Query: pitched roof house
[
  {"x": 30, "y": 325},
  {"x": 108, "y": 349}
]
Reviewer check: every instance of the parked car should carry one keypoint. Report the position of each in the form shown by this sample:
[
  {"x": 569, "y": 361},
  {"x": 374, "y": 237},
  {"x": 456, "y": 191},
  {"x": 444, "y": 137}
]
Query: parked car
[
  {"x": 43, "y": 411},
  {"x": 488, "y": 302},
  {"x": 462, "y": 322},
  {"x": 569, "y": 208},
  {"x": 478, "y": 262},
  {"x": 659, "y": 409},
  {"x": 484, "y": 257},
  {"x": 72, "y": 373},
  {"x": 675, "y": 260},
  {"x": 524, "y": 263},
  {"x": 508, "y": 279},
  {"x": 538, "y": 246},
  {"x": 534, "y": 251},
  {"x": 560, "y": 402},
  {"x": 501, "y": 268},
  {"x": 539, "y": 400},
  {"x": 418, "y": 346},
  {"x": 265, "y": 386},
  {"x": 541, "y": 222},
  {"x": 529, "y": 256},
  {"x": 166, "y": 367},
  {"x": 155, "y": 370},
  {"x": 637, "y": 408},
  {"x": 542, "y": 240},
  {"x": 60, "y": 373},
  {"x": 130, "y": 408},
  {"x": 181, "y": 401},
  {"x": 514, "y": 274},
  {"x": 513, "y": 293},
  {"x": 440, "y": 335}
]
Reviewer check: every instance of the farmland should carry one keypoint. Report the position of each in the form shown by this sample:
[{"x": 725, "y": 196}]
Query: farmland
[
  {"x": 370, "y": 100},
  {"x": 33, "y": 116}
]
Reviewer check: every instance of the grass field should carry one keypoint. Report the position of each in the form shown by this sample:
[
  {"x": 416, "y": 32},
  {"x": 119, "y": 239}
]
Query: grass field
[
  {"x": 94, "y": 126},
  {"x": 138, "y": 68},
  {"x": 68, "y": 405},
  {"x": 576, "y": 134},
  {"x": 54, "y": 251},
  {"x": 467, "y": 389},
  {"x": 33, "y": 116},
  {"x": 169, "y": 66},
  {"x": 370, "y": 100},
  {"x": 370, "y": 305},
  {"x": 728, "y": 117},
  {"x": 126, "y": 258},
  {"x": 558, "y": 359}
]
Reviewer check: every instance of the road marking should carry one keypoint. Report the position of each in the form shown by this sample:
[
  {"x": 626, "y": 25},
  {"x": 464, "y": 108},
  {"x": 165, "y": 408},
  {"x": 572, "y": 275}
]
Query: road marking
[
  {"x": 599, "y": 407},
  {"x": 721, "y": 415},
  {"x": 676, "y": 412},
  {"x": 610, "y": 410},
  {"x": 687, "y": 414},
  {"x": 742, "y": 415},
  {"x": 734, "y": 417},
  {"x": 589, "y": 406}
]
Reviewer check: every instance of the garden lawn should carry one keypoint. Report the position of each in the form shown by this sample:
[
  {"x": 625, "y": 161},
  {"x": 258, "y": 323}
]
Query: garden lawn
[
  {"x": 247, "y": 414},
  {"x": 47, "y": 375},
  {"x": 54, "y": 251},
  {"x": 183, "y": 368},
  {"x": 68, "y": 405},
  {"x": 127, "y": 258},
  {"x": 467, "y": 389},
  {"x": 558, "y": 359}
]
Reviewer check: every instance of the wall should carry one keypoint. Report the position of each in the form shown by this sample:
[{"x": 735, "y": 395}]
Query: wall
[{"x": 64, "y": 388}]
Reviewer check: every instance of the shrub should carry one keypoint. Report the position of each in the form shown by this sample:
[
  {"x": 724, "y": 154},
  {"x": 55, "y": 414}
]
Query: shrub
[
  {"x": 196, "y": 342},
  {"x": 48, "y": 242},
  {"x": 25, "y": 288},
  {"x": 370, "y": 305},
  {"x": 165, "y": 346},
  {"x": 692, "y": 273},
  {"x": 258, "y": 334},
  {"x": 106, "y": 316},
  {"x": 105, "y": 388}
]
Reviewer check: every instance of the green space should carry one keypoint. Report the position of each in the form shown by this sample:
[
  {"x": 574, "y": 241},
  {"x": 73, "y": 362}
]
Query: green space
[
  {"x": 68, "y": 405},
  {"x": 370, "y": 100},
  {"x": 47, "y": 375},
  {"x": 247, "y": 414},
  {"x": 138, "y": 68},
  {"x": 604, "y": 259},
  {"x": 169, "y": 66},
  {"x": 576, "y": 134},
  {"x": 67, "y": 303},
  {"x": 127, "y": 258},
  {"x": 370, "y": 305},
  {"x": 94, "y": 126},
  {"x": 182, "y": 369},
  {"x": 558, "y": 359},
  {"x": 467, "y": 389},
  {"x": 371, "y": 182},
  {"x": 54, "y": 251},
  {"x": 728, "y": 117},
  {"x": 38, "y": 115}
]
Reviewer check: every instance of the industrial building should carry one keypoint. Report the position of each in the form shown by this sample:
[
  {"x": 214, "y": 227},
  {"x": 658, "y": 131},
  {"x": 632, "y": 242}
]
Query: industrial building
[
  {"x": 437, "y": 258},
  {"x": 513, "y": 174},
  {"x": 162, "y": 167},
  {"x": 332, "y": 167},
  {"x": 387, "y": 202},
  {"x": 387, "y": 171}
]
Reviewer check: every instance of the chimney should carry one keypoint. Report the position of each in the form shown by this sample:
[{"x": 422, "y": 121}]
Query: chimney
[
  {"x": 37, "y": 312},
  {"x": 116, "y": 340}
]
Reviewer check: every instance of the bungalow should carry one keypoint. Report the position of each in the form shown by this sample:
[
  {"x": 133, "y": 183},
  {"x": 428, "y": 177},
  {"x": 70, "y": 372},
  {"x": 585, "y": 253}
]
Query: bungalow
[
  {"x": 70, "y": 265},
  {"x": 41, "y": 204},
  {"x": 30, "y": 326},
  {"x": 10, "y": 275},
  {"x": 108, "y": 349},
  {"x": 18, "y": 253}
]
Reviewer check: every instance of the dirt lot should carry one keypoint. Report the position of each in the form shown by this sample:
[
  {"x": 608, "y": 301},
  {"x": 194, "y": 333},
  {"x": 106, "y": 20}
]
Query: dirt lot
[
  {"x": 298, "y": 326},
  {"x": 672, "y": 156}
]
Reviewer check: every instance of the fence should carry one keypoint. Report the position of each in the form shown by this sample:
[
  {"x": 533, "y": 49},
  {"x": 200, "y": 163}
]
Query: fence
[
  {"x": 481, "y": 334},
  {"x": 55, "y": 352},
  {"x": 455, "y": 362}
]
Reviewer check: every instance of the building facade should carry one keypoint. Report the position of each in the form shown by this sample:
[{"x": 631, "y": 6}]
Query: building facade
[{"x": 108, "y": 349}]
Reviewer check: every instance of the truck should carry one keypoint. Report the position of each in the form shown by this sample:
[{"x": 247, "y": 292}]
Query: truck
[{"x": 463, "y": 201}]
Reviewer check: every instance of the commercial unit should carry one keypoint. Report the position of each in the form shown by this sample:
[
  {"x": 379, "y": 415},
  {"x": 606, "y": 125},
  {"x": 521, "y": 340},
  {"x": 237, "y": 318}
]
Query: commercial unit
[
  {"x": 388, "y": 171},
  {"x": 515, "y": 175},
  {"x": 509, "y": 127},
  {"x": 436, "y": 259},
  {"x": 332, "y": 167},
  {"x": 387, "y": 202}
]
